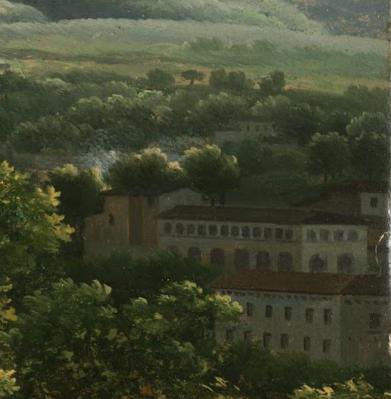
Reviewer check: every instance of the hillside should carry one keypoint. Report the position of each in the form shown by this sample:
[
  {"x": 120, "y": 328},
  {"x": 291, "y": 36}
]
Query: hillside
[
  {"x": 10, "y": 13},
  {"x": 355, "y": 17},
  {"x": 276, "y": 13},
  {"x": 130, "y": 48}
]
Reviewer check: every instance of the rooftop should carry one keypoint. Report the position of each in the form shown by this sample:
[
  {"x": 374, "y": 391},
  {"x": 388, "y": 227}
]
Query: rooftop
[
  {"x": 304, "y": 283},
  {"x": 289, "y": 216}
]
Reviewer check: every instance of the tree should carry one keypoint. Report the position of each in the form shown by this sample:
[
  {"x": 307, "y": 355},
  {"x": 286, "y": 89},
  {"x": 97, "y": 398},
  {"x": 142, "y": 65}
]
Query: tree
[
  {"x": 148, "y": 172},
  {"x": 368, "y": 123},
  {"x": 352, "y": 389},
  {"x": 273, "y": 84},
  {"x": 79, "y": 195},
  {"x": 211, "y": 172},
  {"x": 235, "y": 81},
  {"x": 328, "y": 155},
  {"x": 370, "y": 156},
  {"x": 81, "y": 346},
  {"x": 192, "y": 75},
  {"x": 160, "y": 80},
  {"x": 7, "y": 314},
  {"x": 30, "y": 228},
  {"x": 218, "y": 79}
]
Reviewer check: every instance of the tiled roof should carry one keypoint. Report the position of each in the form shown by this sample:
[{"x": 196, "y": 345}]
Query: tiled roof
[
  {"x": 304, "y": 283},
  {"x": 258, "y": 215}
]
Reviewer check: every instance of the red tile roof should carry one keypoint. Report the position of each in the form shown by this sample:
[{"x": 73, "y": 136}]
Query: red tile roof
[
  {"x": 287, "y": 216},
  {"x": 304, "y": 283}
]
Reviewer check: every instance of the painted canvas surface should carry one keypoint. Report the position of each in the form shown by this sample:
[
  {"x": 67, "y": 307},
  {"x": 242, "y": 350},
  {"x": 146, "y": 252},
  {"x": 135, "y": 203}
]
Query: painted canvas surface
[{"x": 194, "y": 199}]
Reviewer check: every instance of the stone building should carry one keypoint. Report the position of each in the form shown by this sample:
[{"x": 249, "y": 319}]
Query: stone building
[
  {"x": 336, "y": 317},
  {"x": 266, "y": 239},
  {"x": 129, "y": 222}
]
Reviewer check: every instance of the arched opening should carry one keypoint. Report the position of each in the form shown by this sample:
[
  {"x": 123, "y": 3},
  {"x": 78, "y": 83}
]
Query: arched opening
[
  {"x": 263, "y": 261},
  {"x": 217, "y": 257},
  {"x": 241, "y": 259},
  {"x": 194, "y": 253},
  {"x": 285, "y": 262},
  {"x": 317, "y": 264},
  {"x": 345, "y": 263}
]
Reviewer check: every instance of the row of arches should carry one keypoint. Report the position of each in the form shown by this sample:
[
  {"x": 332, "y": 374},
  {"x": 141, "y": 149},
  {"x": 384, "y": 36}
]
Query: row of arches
[{"x": 263, "y": 260}]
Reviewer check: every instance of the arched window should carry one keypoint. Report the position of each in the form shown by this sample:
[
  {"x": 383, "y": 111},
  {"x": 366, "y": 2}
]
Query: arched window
[
  {"x": 234, "y": 231},
  {"x": 263, "y": 261},
  {"x": 241, "y": 259},
  {"x": 352, "y": 235},
  {"x": 318, "y": 264},
  {"x": 217, "y": 257},
  {"x": 212, "y": 229},
  {"x": 257, "y": 232},
  {"x": 194, "y": 253},
  {"x": 201, "y": 230},
  {"x": 285, "y": 262},
  {"x": 179, "y": 228},
  {"x": 245, "y": 232},
  {"x": 167, "y": 228},
  {"x": 345, "y": 263},
  {"x": 111, "y": 220},
  {"x": 224, "y": 230},
  {"x": 190, "y": 229}
]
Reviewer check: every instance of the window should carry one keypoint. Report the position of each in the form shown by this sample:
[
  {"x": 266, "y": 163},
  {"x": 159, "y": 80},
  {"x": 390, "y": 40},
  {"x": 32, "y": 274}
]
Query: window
[
  {"x": 268, "y": 233},
  {"x": 263, "y": 261},
  {"x": 212, "y": 229},
  {"x": 318, "y": 264},
  {"x": 224, "y": 231},
  {"x": 324, "y": 235},
  {"x": 374, "y": 320},
  {"x": 248, "y": 128},
  {"x": 257, "y": 232},
  {"x": 229, "y": 335},
  {"x": 285, "y": 262},
  {"x": 338, "y": 235},
  {"x": 267, "y": 340},
  {"x": 284, "y": 341},
  {"x": 327, "y": 316},
  {"x": 217, "y": 257},
  {"x": 245, "y": 232},
  {"x": 326, "y": 346},
  {"x": 111, "y": 220},
  {"x": 179, "y": 228},
  {"x": 353, "y": 235},
  {"x": 309, "y": 315},
  {"x": 248, "y": 336},
  {"x": 345, "y": 263},
  {"x": 190, "y": 229},
  {"x": 269, "y": 311},
  {"x": 241, "y": 259},
  {"x": 374, "y": 202},
  {"x": 307, "y": 344},
  {"x": 257, "y": 128},
  {"x": 234, "y": 231},
  {"x": 289, "y": 234},
  {"x": 311, "y": 235},
  {"x": 279, "y": 234},
  {"x": 201, "y": 230},
  {"x": 167, "y": 228},
  {"x": 194, "y": 253},
  {"x": 249, "y": 309},
  {"x": 288, "y": 313}
]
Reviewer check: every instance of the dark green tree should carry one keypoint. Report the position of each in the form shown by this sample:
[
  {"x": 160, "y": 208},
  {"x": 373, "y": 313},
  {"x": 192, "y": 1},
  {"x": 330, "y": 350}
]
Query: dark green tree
[
  {"x": 273, "y": 84},
  {"x": 160, "y": 80},
  {"x": 193, "y": 75},
  {"x": 328, "y": 155},
  {"x": 211, "y": 172}
]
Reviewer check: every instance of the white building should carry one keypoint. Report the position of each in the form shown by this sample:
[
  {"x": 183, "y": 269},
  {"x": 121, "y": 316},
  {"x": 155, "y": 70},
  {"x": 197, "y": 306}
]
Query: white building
[
  {"x": 334, "y": 317},
  {"x": 266, "y": 239}
]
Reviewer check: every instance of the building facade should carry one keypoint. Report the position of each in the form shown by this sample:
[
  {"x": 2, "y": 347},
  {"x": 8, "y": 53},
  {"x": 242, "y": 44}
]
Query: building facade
[
  {"x": 266, "y": 239},
  {"x": 338, "y": 317}
]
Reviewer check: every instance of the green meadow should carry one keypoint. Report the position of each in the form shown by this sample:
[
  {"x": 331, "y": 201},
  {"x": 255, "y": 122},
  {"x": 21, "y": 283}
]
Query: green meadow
[{"x": 129, "y": 48}]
